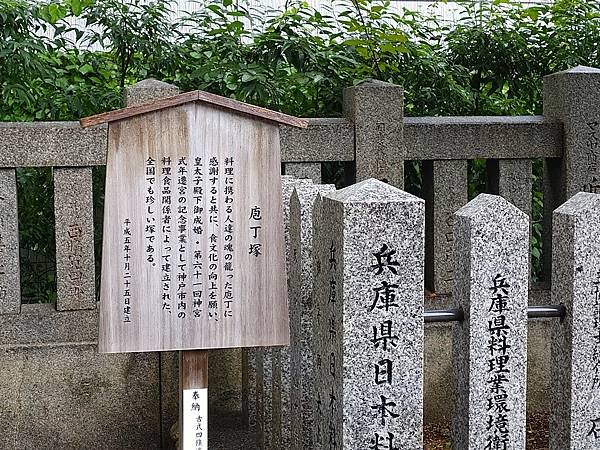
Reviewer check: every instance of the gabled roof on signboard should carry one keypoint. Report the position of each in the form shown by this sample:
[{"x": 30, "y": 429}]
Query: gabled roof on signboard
[{"x": 194, "y": 96}]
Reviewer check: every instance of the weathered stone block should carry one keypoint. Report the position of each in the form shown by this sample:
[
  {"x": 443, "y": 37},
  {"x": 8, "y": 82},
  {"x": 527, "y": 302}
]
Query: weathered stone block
[
  {"x": 491, "y": 283},
  {"x": 300, "y": 419},
  {"x": 575, "y": 391},
  {"x": 369, "y": 309},
  {"x": 312, "y": 171},
  {"x": 148, "y": 90},
  {"x": 69, "y": 397},
  {"x": 377, "y": 110},
  {"x": 445, "y": 185},
  {"x": 73, "y": 210},
  {"x": 10, "y": 280}
]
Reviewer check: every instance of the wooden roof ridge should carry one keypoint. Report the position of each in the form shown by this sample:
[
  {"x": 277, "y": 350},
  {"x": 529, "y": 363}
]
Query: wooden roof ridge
[{"x": 194, "y": 96}]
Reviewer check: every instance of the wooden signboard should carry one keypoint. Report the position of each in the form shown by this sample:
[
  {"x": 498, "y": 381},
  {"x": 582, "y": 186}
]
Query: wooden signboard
[{"x": 193, "y": 250}]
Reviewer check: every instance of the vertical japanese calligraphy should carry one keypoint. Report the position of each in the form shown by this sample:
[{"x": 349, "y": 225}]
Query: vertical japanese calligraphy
[
  {"x": 195, "y": 419},
  {"x": 332, "y": 364},
  {"x": 198, "y": 230},
  {"x": 213, "y": 249},
  {"x": 592, "y": 143},
  {"x": 384, "y": 339},
  {"x": 3, "y": 290},
  {"x": 182, "y": 237},
  {"x": 167, "y": 244},
  {"x": 150, "y": 228},
  {"x": 75, "y": 273},
  {"x": 497, "y": 437},
  {"x": 255, "y": 228},
  {"x": 126, "y": 270},
  {"x": 198, "y": 193},
  {"x": 594, "y": 423},
  {"x": 228, "y": 232}
]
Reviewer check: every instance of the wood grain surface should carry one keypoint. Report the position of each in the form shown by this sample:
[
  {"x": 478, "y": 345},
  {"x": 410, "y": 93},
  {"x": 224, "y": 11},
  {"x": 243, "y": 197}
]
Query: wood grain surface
[{"x": 259, "y": 312}]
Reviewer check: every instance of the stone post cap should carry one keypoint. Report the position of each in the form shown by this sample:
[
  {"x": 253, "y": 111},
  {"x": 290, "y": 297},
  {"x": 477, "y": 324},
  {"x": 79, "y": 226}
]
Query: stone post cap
[
  {"x": 371, "y": 191},
  {"x": 373, "y": 83},
  {"x": 574, "y": 71},
  {"x": 492, "y": 209},
  {"x": 580, "y": 205},
  {"x": 149, "y": 89}
]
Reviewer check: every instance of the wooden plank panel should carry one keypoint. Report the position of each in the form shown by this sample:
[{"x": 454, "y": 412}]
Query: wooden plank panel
[
  {"x": 169, "y": 302},
  {"x": 73, "y": 210},
  {"x": 10, "y": 288}
]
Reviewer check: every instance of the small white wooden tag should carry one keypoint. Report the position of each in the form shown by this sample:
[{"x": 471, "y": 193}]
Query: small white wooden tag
[{"x": 194, "y": 434}]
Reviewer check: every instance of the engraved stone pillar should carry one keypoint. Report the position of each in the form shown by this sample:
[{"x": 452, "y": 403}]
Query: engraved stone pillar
[
  {"x": 377, "y": 110},
  {"x": 369, "y": 304},
  {"x": 490, "y": 345},
  {"x": 300, "y": 419},
  {"x": 273, "y": 367},
  {"x": 571, "y": 97},
  {"x": 575, "y": 392},
  {"x": 73, "y": 209},
  {"x": 10, "y": 281}
]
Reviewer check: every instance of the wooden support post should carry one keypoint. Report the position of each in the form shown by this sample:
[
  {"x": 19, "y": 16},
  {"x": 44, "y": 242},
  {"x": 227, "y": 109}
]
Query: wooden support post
[{"x": 193, "y": 400}]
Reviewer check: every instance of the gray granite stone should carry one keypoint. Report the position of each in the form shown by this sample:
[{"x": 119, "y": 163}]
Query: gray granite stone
[
  {"x": 471, "y": 137},
  {"x": 281, "y": 356},
  {"x": 312, "y": 171},
  {"x": 575, "y": 392},
  {"x": 491, "y": 286},
  {"x": 320, "y": 237},
  {"x": 73, "y": 211},
  {"x": 147, "y": 90},
  {"x": 300, "y": 419},
  {"x": 571, "y": 97},
  {"x": 273, "y": 372},
  {"x": 51, "y": 144},
  {"x": 10, "y": 284},
  {"x": 377, "y": 110},
  {"x": 445, "y": 186},
  {"x": 324, "y": 140},
  {"x": 511, "y": 179},
  {"x": 369, "y": 379},
  {"x": 169, "y": 396},
  {"x": 439, "y": 381},
  {"x": 70, "y": 397},
  {"x": 40, "y": 324},
  {"x": 263, "y": 380},
  {"x": 249, "y": 388}
]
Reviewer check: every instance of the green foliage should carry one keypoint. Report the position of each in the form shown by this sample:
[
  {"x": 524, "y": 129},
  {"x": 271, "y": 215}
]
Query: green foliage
[{"x": 298, "y": 60}]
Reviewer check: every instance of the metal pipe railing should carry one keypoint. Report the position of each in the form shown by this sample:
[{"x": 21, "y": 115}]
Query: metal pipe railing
[{"x": 457, "y": 314}]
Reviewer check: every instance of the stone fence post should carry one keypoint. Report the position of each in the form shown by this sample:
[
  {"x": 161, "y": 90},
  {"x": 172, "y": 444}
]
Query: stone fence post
[
  {"x": 300, "y": 418},
  {"x": 10, "y": 279},
  {"x": 571, "y": 97},
  {"x": 377, "y": 111},
  {"x": 490, "y": 346},
  {"x": 369, "y": 316},
  {"x": 575, "y": 391},
  {"x": 272, "y": 365}
]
